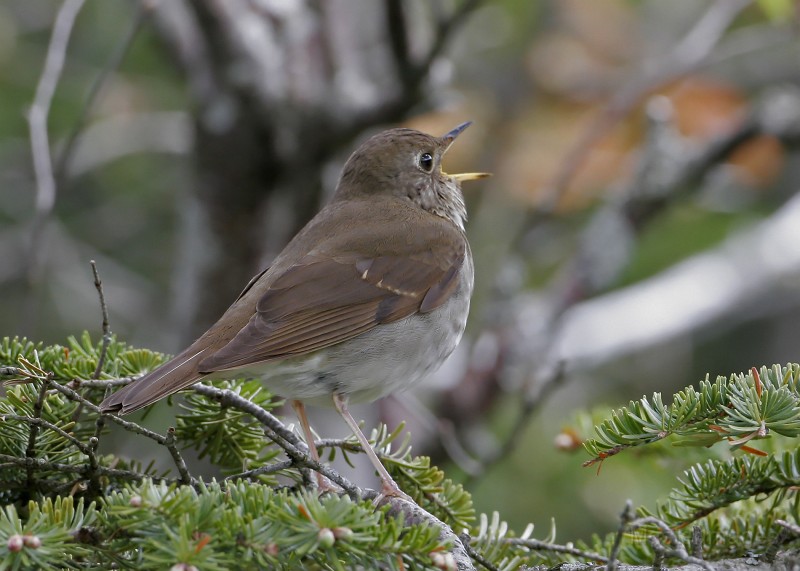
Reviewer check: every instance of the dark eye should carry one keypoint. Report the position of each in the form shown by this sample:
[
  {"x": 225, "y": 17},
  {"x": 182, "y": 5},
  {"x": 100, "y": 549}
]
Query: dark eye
[{"x": 426, "y": 162}]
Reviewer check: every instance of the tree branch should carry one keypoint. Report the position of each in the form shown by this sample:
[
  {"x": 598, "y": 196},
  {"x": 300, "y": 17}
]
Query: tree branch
[{"x": 278, "y": 433}]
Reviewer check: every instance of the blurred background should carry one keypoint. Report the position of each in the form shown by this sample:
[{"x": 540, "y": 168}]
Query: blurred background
[{"x": 641, "y": 229}]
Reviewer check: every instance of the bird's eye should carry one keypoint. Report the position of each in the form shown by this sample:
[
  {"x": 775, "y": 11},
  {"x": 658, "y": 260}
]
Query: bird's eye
[{"x": 426, "y": 162}]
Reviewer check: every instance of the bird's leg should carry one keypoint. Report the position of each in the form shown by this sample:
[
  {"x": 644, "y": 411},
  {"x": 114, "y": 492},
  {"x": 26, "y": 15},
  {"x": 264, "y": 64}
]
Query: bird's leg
[
  {"x": 388, "y": 486},
  {"x": 323, "y": 484}
]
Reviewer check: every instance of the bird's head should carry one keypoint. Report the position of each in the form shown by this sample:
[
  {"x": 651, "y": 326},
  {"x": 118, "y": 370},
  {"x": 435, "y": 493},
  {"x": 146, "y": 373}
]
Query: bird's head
[{"x": 408, "y": 164}]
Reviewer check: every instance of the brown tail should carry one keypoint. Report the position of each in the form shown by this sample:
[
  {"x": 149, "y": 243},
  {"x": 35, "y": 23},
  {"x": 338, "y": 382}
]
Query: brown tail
[{"x": 172, "y": 376}]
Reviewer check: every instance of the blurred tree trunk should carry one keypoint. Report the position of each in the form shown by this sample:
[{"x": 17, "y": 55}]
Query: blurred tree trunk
[{"x": 280, "y": 90}]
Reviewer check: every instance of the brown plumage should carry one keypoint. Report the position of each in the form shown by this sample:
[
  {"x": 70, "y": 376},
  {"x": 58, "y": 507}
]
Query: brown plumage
[{"x": 381, "y": 275}]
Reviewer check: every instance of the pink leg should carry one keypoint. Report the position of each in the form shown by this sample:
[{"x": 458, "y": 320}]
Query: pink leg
[
  {"x": 323, "y": 484},
  {"x": 388, "y": 486}
]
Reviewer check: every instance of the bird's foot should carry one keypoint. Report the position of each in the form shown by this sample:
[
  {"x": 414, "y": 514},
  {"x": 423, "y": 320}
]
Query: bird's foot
[
  {"x": 390, "y": 489},
  {"x": 324, "y": 485}
]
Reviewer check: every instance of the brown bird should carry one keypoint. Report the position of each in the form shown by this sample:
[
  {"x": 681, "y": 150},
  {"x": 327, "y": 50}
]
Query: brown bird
[{"x": 367, "y": 299}]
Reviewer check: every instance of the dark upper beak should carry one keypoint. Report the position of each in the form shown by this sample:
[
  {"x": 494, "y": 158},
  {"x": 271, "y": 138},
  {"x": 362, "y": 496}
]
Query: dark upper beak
[{"x": 451, "y": 136}]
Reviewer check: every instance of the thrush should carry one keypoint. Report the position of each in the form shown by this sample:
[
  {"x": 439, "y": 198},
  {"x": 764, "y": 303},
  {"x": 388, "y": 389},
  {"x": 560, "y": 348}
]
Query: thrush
[{"x": 370, "y": 297}]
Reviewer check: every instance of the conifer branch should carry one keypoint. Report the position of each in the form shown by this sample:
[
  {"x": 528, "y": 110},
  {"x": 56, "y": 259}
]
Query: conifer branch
[{"x": 705, "y": 517}]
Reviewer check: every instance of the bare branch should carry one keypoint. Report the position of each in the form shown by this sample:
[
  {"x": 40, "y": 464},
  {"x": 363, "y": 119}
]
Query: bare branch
[
  {"x": 129, "y": 426},
  {"x": 268, "y": 469},
  {"x": 538, "y": 545},
  {"x": 169, "y": 442},
  {"x": 37, "y": 120},
  {"x": 106, "y": 330},
  {"x": 30, "y": 451},
  {"x": 466, "y": 539},
  {"x": 100, "y": 422},
  {"x": 278, "y": 433},
  {"x": 102, "y": 383},
  {"x": 282, "y": 436}
]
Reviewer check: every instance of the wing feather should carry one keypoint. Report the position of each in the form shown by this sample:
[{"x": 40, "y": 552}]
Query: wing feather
[{"x": 321, "y": 301}]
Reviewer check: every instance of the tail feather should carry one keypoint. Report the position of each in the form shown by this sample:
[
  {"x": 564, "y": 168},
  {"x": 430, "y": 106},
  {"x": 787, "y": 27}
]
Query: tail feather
[{"x": 174, "y": 375}]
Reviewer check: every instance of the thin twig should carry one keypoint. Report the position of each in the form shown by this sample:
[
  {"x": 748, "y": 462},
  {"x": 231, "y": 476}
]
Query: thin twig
[
  {"x": 106, "y": 329},
  {"x": 41, "y": 423},
  {"x": 268, "y": 469},
  {"x": 11, "y": 372},
  {"x": 37, "y": 120},
  {"x": 784, "y": 536},
  {"x": 30, "y": 450},
  {"x": 102, "y": 384},
  {"x": 282, "y": 435},
  {"x": 143, "y": 9},
  {"x": 466, "y": 541},
  {"x": 342, "y": 444},
  {"x": 278, "y": 433},
  {"x": 41, "y": 464},
  {"x": 129, "y": 426},
  {"x": 169, "y": 442},
  {"x": 538, "y": 545}
]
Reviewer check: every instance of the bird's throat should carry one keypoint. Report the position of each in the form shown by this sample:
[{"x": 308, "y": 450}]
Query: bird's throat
[{"x": 444, "y": 199}]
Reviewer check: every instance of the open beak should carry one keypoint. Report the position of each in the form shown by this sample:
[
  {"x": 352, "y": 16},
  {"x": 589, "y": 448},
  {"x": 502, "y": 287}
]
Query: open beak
[
  {"x": 461, "y": 177},
  {"x": 448, "y": 140}
]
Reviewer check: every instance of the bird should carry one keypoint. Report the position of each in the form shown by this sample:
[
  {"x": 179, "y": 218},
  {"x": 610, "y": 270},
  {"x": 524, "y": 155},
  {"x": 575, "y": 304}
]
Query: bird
[{"x": 370, "y": 297}]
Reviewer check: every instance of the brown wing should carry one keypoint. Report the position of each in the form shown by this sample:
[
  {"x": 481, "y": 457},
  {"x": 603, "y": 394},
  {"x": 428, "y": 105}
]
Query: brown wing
[{"x": 321, "y": 301}]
